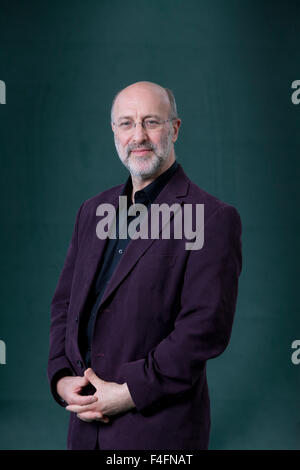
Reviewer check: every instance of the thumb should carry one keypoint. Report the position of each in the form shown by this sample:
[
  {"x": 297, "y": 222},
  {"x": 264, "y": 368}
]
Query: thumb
[
  {"x": 93, "y": 378},
  {"x": 83, "y": 381}
]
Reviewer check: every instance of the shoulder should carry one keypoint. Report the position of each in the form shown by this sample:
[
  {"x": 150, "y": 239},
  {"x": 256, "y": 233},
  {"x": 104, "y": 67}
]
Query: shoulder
[
  {"x": 222, "y": 222},
  {"x": 108, "y": 196},
  {"x": 214, "y": 208}
]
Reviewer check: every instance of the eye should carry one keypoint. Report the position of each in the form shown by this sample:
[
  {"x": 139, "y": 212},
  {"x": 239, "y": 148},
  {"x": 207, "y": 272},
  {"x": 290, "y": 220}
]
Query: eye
[
  {"x": 125, "y": 123},
  {"x": 151, "y": 122}
]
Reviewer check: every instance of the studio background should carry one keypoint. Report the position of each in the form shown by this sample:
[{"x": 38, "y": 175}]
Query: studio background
[{"x": 230, "y": 65}]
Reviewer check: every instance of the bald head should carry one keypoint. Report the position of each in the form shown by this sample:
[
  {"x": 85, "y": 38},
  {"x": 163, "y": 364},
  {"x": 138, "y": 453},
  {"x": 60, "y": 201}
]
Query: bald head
[{"x": 145, "y": 91}]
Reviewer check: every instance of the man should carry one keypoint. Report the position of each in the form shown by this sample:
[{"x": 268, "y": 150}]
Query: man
[{"x": 134, "y": 321}]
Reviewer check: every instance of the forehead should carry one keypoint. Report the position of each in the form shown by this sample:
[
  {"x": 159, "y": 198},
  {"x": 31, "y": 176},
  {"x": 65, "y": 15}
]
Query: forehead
[{"x": 141, "y": 101}]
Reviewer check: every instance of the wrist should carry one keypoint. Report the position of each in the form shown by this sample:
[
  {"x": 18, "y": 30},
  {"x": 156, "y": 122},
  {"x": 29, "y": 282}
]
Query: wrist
[
  {"x": 60, "y": 386},
  {"x": 54, "y": 382},
  {"x": 127, "y": 396}
]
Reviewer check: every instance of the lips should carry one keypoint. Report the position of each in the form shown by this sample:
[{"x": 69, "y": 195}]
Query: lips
[{"x": 141, "y": 150}]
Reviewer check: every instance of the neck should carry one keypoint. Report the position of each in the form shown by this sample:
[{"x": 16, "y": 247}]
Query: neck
[{"x": 140, "y": 183}]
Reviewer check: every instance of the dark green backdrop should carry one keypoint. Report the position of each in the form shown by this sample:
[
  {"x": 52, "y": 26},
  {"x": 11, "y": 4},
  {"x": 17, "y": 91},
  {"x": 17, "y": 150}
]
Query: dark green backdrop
[{"x": 230, "y": 64}]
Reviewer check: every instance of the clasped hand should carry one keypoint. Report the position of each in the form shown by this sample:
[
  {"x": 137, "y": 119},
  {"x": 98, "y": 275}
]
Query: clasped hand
[{"x": 110, "y": 398}]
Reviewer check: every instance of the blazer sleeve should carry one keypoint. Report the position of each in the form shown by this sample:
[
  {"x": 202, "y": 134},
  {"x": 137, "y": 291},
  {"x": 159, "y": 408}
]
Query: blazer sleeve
[
  {"x": 203, "y": 326},
  {"x": 58, "y": 364}
]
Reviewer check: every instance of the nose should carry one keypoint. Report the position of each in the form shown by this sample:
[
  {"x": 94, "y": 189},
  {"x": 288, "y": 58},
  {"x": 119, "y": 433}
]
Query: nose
[{"x": 139, "y": 133}]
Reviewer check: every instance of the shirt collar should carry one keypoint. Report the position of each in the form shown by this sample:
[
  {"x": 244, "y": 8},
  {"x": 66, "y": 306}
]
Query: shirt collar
[{"x": 148, "y": 194}]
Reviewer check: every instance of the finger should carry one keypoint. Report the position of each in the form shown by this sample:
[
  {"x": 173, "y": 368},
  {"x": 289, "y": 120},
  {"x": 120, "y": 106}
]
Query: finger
[
  {"x": 92, "y": 377},
  {"x": 84, "y": 419},
  {"x": 80, "y": 408},
  {"x": 82, "y": 400},
  {"x": 105, "y": 419},
  {"x": 92, "y": 416},
  {"x": 82, "y": 381},
  {"x": 87, "y": 420}
]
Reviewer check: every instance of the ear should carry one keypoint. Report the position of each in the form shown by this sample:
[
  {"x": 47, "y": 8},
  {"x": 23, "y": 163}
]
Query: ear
[{"x": 176, "y": 124}]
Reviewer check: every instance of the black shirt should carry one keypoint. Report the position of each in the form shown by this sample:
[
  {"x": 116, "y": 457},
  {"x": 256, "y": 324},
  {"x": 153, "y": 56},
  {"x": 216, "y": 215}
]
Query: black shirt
[{"x": 114, "y": 250}]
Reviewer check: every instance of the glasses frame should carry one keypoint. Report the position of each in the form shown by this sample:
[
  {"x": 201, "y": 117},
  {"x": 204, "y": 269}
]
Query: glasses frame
[{"x": 142, "y": 123}]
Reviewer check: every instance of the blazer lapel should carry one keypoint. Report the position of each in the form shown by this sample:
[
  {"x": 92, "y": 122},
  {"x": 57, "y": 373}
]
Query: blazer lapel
[
  {"x": 89, "y": 266},
  {"x": 174, "y": 192}
]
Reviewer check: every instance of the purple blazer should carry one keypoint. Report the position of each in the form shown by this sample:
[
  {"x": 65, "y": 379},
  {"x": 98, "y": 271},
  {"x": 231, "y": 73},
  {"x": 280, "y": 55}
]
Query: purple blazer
[{"x": 164, "y": 313}]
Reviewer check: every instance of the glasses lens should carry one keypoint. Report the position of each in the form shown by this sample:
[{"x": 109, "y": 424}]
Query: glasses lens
[
  {"x": 125, "y": 125},
  {"x": 152, "y": 124},
  {"x": 149, "y": 124}
]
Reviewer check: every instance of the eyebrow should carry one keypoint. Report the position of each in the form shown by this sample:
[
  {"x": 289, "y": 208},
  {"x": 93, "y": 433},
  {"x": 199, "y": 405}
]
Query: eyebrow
[{"x": 145, "y": 117}]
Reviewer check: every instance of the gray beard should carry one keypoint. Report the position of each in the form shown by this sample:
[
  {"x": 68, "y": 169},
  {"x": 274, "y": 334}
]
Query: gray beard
[{"x": 156, "y": 164}]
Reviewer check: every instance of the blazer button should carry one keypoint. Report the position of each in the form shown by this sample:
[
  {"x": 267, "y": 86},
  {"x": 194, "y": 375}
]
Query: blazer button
[
  {"x": 79, "y": 363},
  {"x": 76, "y": 319}
]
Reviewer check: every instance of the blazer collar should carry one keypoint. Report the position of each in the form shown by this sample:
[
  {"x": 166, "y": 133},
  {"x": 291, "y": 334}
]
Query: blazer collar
[{"x": 176, "y": 187}]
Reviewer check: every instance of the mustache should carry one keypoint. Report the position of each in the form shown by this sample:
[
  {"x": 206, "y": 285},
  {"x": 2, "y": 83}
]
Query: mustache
[{"x": 148, "y": 146}]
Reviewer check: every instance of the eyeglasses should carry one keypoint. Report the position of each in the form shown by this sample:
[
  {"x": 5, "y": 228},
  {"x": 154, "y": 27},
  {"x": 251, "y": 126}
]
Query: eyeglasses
[{"x": 149, "y": 124}]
